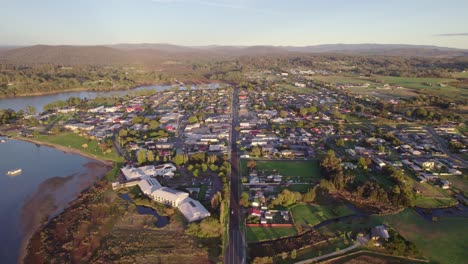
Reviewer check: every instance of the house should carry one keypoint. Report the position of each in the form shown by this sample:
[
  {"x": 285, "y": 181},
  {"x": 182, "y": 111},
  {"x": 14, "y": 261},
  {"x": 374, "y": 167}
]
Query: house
[
  {"x": 255, "y": 212},
  {"x": 268, "y": 215},
  {"x": 379, "y": 232}
]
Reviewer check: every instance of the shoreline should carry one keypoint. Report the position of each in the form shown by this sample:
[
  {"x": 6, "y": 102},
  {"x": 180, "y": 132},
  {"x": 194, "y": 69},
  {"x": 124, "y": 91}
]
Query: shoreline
[
  {"x": 64, "y": 149},
  {"x": 54, "y": 209},
  {"x": 71, "y": 90}
]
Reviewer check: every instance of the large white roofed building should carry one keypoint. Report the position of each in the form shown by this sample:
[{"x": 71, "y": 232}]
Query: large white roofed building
[
  {"x": 169, "y": 196},
  {"x": 193, "y": 210}
]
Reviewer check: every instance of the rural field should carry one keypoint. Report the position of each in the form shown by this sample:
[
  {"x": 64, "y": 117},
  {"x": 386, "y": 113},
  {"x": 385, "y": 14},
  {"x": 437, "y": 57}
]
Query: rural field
[
  {"x": 311, "y": 215},
  {"x": 259, "y": 233},
  {"x": 442, "y": 241},
  {"x": 295, "y": 170}
]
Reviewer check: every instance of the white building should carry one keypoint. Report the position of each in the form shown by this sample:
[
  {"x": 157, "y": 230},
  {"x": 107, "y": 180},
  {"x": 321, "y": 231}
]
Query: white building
[
  {"x": 169, "y": 196},
  {"x": 193, "y": 210},
  {"x": 132, "y": 173},
  {"x": 149, "y": 185}
]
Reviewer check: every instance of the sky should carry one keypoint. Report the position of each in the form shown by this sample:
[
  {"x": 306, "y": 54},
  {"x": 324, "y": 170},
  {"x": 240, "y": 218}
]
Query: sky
[{"x": 234, "y": 22}]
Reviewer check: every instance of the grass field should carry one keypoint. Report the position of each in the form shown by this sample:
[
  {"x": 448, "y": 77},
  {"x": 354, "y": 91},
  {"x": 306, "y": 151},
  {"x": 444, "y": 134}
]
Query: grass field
[
  {"x": 340, "y": 79},
  {"x": 303, "y": 171},
  {"x": 74, "y": 141},
  {"x": 259, "y": 233},
  {"x": 460, "y": 75},
  {"x": 415, "y": 83},
  {"x": 444, "y": 241},
  {"x": 429, "y": 202},
  {"x": 310, "y": 215}
]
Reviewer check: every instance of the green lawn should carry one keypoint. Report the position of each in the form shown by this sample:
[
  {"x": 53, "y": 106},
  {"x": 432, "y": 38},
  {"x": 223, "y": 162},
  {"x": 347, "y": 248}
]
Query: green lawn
[
  {"x": 303, "y": 171},
  {"x": 415, "y": 83},
  {"x": 341, "y": 79},
  {"x": 259, "y": 233},
  {"x": 460, "y": 75},
  {"x": 310, "y": 215},
  {"x": 74, "y": 141},
  {"x": 444, "y": 241},
  {"x": 429, "y": 202}
]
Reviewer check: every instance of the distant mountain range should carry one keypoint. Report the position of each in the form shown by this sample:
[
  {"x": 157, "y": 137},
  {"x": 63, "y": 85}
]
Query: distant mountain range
[{"x": 144, "y": 53}]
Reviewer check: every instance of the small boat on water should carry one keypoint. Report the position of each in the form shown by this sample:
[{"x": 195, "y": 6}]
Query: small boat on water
[
  {"x": 14, "y": 172},
  {"x": 2, "y": 141}
]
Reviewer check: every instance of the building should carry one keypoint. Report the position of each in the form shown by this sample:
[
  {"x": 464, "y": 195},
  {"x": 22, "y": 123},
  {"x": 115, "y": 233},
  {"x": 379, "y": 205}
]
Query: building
[
  {"x": 169, "y": 196},
  {"x": 149, "y": 185},
  {"x": 193, "y": 210},
  {"x": 132, "y": 173}
]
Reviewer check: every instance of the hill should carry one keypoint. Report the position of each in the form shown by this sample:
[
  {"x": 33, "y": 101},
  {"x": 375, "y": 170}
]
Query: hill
[{"x": 151, "y": 53}]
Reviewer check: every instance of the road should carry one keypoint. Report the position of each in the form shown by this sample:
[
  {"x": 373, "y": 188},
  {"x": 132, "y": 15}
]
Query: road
[
  {"x": 360, "y": 241},
  {"x": 235, "y": 253},
  {"x": 443, "y": 146}
]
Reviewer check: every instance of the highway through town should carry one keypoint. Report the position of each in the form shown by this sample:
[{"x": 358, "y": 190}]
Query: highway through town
[{"x": 236, "y": 249}]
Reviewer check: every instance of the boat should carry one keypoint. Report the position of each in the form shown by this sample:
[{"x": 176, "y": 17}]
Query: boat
[{"x": 14, "y": 172}]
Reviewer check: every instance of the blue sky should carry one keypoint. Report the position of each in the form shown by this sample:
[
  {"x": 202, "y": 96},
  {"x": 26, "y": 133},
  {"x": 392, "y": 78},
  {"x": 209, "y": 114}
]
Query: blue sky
[{"x": 234, "y": 22}]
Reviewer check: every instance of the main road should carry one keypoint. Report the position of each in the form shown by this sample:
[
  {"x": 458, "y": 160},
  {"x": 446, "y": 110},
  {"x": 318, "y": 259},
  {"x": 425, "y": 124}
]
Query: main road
[{"x": 235, "y": 253}]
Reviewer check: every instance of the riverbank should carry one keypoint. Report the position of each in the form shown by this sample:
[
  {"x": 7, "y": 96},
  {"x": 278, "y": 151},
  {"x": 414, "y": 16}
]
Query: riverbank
[
  {"x": 108, "y": 89},
  {"x": 81, "y": 89},
  {"x": 53, "y": 197},
  {"x": 64, "y": 149}
]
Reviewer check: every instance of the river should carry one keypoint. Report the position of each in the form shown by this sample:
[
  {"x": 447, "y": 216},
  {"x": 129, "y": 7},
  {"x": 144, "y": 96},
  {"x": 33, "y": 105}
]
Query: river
[
  {"x": 38, "y": 102},
  {"x": 50, "y": 179}
]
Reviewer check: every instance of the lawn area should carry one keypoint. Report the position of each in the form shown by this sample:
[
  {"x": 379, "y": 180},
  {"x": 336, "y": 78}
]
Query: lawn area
[
  {"x": 296, "y": 170},
  {"x": 259, "y": 233},
  {"x": 310, "y": 215},
  {"x": 460, "y": 74},
  {"x": 448, "y": 235},
  {"x": 415, "y": 83},
  {"x": 429, "y": 202},
  {"x": 74, "y": 141},
  {"x": 340, "y": 79}
]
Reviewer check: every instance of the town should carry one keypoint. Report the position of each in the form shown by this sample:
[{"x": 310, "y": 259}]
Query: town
[{"x": 317, "y": 164}]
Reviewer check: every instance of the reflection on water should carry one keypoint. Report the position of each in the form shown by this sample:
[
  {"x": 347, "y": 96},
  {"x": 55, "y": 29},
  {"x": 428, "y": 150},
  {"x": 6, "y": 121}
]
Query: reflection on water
[{"x": 143, "y": 210}]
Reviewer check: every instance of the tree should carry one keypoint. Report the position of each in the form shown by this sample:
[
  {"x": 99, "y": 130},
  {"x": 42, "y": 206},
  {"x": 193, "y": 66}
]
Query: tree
[
  {"x": 244, "y": 200},
  {"x": 153, "y": 124},
  {"x": 361, "y": 163},
  {"x": 141, "y": 156},
  {"x": 340, "y": 142},
  {"x": 192, "y": 119},
  {"x": 204, "y": 167},
  {"x": 55, "y": 130},
  {"x": 251, "y": 164},
  {"x": 216, "y": 200},
  {"x": 150, "y": 156},
  {"x": 283, "y": 113},
  {"x": 30, "y": 110},
  {"x": 293, "y": 254},
  {"x": 196, "y": 172},
  {"x": 310, "y": 195},
  {"x": 256, "y": 152}
]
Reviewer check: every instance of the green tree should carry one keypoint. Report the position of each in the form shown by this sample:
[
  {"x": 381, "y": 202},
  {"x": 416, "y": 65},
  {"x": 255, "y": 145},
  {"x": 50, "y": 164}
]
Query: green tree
[
  {"x": 244, "y": 200},
  {"x": 150, "y": 156},
  {"x": 293, "y": 254},
  {"x": 192, "y": 119},
  {"x": 141, "y": 156}
]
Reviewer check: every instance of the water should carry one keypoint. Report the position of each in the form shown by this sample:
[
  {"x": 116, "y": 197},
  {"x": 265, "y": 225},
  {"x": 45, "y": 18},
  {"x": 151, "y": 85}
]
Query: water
[
  {"x": 49, "y": 181},
  {"x": 162, "y": 221},
  {"x": 38, "y": 102}
]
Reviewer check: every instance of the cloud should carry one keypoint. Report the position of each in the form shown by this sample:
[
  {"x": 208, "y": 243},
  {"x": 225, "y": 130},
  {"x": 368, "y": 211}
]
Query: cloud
[
  {"x": 452, "y": 35},
  {"x": 242, "y": 5}
]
